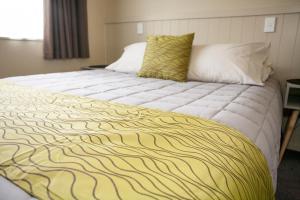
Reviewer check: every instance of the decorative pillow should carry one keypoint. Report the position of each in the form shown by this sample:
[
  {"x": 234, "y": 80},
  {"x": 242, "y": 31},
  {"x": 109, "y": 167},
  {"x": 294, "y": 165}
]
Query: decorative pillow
[
  {"x": 167, "y": 57},
  {"x": 131, "y": 60},
  {"x": 230, "y": 63}
]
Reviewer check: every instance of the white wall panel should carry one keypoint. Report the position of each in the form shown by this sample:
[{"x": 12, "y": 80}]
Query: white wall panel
[{"x": 285, "y": 42}]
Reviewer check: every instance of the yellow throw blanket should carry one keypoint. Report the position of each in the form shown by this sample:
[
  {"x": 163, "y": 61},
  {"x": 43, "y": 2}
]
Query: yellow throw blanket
[{"x": 57, "y": 146}]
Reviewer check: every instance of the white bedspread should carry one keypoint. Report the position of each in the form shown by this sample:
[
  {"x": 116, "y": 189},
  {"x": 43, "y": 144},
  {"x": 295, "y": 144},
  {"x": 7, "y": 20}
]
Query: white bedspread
[{"x": 255, "y": 111}]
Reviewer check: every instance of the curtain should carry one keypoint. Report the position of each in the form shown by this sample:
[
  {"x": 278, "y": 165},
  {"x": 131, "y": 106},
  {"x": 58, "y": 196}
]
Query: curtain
[{"x": 66, "y": 29}]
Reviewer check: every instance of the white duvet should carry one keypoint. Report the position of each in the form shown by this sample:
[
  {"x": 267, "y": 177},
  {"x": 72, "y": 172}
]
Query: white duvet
[{"x": 253, "y": 110}]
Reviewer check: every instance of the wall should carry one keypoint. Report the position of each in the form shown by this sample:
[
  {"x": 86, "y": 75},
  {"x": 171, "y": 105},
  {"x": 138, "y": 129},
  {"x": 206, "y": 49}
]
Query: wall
[
  {"x": 26, "y": 57},
  {"x": 213, "y": 21},
  {"x": 145, "y": 10},
  {"x": 285, "y": 42}
]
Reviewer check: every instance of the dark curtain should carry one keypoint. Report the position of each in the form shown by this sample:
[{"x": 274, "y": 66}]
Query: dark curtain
[{"x": 66, "y": 29}]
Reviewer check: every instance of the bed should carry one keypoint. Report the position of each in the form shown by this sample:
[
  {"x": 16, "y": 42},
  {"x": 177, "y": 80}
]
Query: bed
[{"x": 252, "y": 110}]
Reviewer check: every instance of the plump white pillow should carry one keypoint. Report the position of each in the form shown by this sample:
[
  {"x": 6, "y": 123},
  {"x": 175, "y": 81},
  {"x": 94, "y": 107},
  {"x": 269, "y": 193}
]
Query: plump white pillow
[
  {"x": 131, "y": 60},
  {"x": 244, "y": 63},
  {"x": 230, "y": 63}
]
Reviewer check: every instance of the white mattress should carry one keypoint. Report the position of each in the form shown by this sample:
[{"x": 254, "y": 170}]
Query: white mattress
[{"x": 254, "y": 111}]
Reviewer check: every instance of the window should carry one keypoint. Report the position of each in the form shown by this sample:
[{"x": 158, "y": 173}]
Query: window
[{"x": 21, "y": 19}]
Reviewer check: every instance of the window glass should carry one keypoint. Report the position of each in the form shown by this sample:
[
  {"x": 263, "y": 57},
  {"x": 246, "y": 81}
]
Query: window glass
[{"x": 21, "y": 19}]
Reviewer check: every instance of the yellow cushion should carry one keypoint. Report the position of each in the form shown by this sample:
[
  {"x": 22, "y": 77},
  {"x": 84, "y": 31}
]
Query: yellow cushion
[{"x": 167, "y": 57}]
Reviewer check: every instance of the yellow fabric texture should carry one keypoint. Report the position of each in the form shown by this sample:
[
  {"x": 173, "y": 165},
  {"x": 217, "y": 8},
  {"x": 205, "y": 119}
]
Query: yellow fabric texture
[
  {"x": 58, "y": 146},
  {"x": 167, "y": 57}
]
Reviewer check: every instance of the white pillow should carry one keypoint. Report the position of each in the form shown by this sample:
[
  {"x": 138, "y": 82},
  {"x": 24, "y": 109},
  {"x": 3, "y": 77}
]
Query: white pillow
[
  {"x": 131, "y": 60},
  {"x": 230, "y": 63},
  {"x": 244, "y": 63}
]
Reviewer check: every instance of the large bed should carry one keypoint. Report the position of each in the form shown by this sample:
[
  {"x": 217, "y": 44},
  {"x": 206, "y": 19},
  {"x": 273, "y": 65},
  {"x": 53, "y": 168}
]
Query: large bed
[{"x": 254, "y": 111}]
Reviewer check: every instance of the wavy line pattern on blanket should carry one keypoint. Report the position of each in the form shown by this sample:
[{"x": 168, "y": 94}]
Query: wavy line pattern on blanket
[{"x": 57, "y": 146}]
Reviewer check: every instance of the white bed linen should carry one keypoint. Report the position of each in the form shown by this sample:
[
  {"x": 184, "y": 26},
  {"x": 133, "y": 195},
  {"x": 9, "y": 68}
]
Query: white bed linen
[{"x": 253, "y": 110}]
